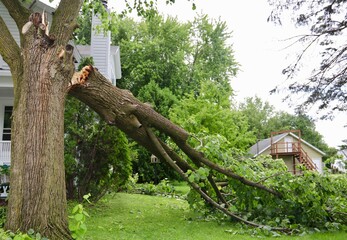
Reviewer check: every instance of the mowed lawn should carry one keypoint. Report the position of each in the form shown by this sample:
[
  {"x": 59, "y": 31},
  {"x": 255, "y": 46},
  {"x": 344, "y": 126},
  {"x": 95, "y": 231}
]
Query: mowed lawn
[{"x": 134, "y": 216}]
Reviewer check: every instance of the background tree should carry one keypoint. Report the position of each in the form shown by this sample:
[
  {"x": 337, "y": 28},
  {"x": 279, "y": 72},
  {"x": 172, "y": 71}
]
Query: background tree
[
  {"x": 171, "y": 59},
  {"x": 175, "y": 55},
  {"x": 158, "y": 48},
  {"x": 210, "y": 114},
  {"x": 325, "y": 23},
  {"x": 212, "y": 58},
  {"x": 258, "y": 114}
]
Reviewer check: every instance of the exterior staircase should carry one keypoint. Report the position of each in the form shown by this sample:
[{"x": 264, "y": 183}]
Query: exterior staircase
[
  {"x": 305, "y": 160},
  {"x": 293, "y": 149}
]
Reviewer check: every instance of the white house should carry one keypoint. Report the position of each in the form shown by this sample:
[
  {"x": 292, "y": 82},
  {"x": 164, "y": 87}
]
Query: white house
[
  {"x": 106, "y": 59},
  {"x": 292, "y": 149},
  {"x": 339, "y": 165}
]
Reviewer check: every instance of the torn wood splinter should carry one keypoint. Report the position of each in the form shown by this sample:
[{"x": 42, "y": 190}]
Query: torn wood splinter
[
  {"x": 26, "y": 27},
  {"x": 81, "y": 77},
  {"x": 61, "y": 54}
]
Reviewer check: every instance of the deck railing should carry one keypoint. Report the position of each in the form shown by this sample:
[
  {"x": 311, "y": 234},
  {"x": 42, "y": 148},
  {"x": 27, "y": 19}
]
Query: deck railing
[
  {"x": 285, "y": 147},
  {"x": 295, "y": 149},
  {"x": 5, "y": 152}
]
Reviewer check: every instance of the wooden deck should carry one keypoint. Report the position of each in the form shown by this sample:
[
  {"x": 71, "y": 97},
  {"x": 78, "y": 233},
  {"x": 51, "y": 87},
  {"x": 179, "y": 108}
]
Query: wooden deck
[{"x": 293, "y": 149}]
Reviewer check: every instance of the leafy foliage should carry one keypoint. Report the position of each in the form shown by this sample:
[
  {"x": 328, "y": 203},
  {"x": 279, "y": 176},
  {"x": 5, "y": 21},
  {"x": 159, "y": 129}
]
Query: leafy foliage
[
  {"x": 209, "y": 117},
  {"x": 146, "y": 8},
  {"x": 97, "y": 156},
  {"x": 258, "y": 114},
  {"x": 163, "y": 188},
  {"x": 77, "y": 221},
  {"x": 150, "y": 172},
  {"x": 174, "y": 55},
  {"x": 30, "y": 235},
  {"x": 309, "y": 201},
  {"x": 153, "y": 50},
  {"x": 161, "y": 99}
]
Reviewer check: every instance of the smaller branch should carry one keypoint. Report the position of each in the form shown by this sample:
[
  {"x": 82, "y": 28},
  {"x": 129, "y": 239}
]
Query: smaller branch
[
  {"x": 193, "y": 154},
  {"x": 268, "y": 177},
  {"x": 175, "y": 157},
  {"x": 303, "y": 53},
  {"x": 216, "y": 190},
  {"x": 65, "y": 20},
  {"x": 17, "y": 11},
  {"x": 197, "y": 188}
]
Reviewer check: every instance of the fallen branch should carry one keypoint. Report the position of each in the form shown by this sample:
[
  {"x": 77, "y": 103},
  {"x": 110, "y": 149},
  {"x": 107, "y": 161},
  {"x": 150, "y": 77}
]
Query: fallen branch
[
  {"x": 197, "y": 188},
  {"x": 198, "y": 156}
]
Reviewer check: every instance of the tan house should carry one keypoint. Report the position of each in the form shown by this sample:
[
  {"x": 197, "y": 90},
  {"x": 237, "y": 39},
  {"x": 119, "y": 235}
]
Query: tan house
[{"x": 289, "y": 146}]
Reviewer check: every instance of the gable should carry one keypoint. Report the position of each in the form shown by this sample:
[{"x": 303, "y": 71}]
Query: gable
[{"x": 263, "y": 146}]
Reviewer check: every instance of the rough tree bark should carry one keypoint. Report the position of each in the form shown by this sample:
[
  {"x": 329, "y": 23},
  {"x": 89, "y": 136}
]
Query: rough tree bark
[
  {"x": 41, "y": 69},
  {"x": 43, "y": 73}
]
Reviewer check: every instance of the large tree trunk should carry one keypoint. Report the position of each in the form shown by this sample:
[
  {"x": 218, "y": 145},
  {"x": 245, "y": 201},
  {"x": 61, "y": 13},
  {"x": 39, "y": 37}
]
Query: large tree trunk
[
  {"x": 41, "y": 70},
  {"x": 38, "y": 196}
]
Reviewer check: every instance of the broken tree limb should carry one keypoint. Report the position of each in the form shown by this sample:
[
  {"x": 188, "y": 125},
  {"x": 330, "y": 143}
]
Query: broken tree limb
[
  {"x": 193, "y": 154},
  {"x": 112, "y": 104},
  {"x": 223, "y": 208}
]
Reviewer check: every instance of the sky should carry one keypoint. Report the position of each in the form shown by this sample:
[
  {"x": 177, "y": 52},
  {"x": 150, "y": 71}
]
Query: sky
[{"x": 260, "y": 48}]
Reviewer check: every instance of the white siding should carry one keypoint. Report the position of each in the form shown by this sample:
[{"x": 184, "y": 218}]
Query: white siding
[
  {"x": 115, "y": 65},
  {"x": 13, "y": 29},
  {"x": 319, "y": 164},
  {"x": 100, "y": 48}
]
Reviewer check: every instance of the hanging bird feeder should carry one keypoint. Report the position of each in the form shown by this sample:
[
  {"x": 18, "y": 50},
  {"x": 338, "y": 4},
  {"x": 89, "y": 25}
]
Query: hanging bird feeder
[{"x": 154, "y": 159}]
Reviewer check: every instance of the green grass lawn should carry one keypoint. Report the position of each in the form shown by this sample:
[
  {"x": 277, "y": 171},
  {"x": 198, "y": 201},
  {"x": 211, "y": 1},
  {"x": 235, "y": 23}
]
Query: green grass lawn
[{"x": 134, "y": 216}]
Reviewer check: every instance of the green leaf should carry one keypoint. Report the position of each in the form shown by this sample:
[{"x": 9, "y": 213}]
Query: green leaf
[
  {"x": 77, "y": 208},
  {"x": 79, "y": 217},
  {"x": 191, "y": 178}
]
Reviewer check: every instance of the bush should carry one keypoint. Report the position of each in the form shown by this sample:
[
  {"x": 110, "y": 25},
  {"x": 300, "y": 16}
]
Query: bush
[{"x": 97, "y": 156}]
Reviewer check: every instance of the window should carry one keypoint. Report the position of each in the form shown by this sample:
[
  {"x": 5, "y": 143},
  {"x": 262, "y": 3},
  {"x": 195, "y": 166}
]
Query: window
[{"x": 6, "y": 134}]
